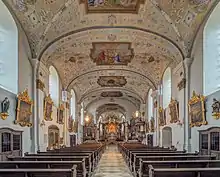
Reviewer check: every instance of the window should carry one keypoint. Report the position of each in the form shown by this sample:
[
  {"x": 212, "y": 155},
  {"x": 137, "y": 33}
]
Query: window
[
  {"x": 214, "y": 141},
  {"x": 8, "y": 51},
  {"x": 209, "y": 141},
  {"x": 204, "y": 139},
  {"x": 211, "y": 53},
  {"x": 16, "y": 142},
  {"x": 10, "y": 140},
  {"x": 150, "y": 104},
  {"x": 6, "y": 142},
  {"x": 166, "y": 90},
  {"x": 73, "y": 104},
  {"x": 54, "y": 85}
]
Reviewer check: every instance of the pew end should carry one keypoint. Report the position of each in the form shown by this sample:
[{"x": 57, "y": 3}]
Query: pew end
[{"x": 151, "y": 171}]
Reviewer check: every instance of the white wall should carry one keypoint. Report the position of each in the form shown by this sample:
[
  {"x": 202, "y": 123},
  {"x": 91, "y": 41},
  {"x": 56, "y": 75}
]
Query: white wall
[
  {"x": 25, "y": 82},
  {"x": 8, "y": 51}
]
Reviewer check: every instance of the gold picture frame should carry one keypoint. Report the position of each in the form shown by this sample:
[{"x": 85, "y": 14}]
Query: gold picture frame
[
  {"x": 70, "y": 124},
  {"x": 48, "y": 108},
  {"x": 174, "y": 111},
  {"x": 60, "y": 116},
  {"x": 197, "y": 110},
  {"x": 24, "y": 109},
  {"x": 152, "y": 125},
  {"x": 162, "y": 121},
  {"x": 147, "y": 127}
]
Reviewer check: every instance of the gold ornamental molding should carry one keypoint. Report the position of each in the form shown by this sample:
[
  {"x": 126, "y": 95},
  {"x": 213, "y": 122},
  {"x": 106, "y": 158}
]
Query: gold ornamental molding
[
  {"x": 197, "y": 110},
  {"x": 24, "y": 109}
]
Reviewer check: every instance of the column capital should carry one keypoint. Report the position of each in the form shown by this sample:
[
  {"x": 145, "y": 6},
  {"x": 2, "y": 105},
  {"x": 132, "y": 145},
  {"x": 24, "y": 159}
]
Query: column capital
[
  {"x": 34, "y": 62},
  {"x": 187, "y": 62}
]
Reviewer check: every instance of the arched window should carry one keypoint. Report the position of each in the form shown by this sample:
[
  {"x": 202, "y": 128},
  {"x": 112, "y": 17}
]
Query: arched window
[
  {"x": 166, "y": 87},
  {"x": 54, "y": 85},
  {"x": 150, "y": 104},
  {"x": 211, "y": 53},
  {"x": 73, "y": 104},
  {"x": 8, "y": 51}
]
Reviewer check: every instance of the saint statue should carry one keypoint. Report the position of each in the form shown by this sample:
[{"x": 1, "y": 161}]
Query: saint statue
[
  {"x": 5, "y": 105},
  {"x": 215, "y": 106}
]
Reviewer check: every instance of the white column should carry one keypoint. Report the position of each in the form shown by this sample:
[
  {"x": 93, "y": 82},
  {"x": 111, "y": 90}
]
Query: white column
[
  {"x": 35, "y": 130},
  {"x": 180, "y": 96},
  {"x": 156, "y": 97},
  {"x": 187, "y": 143}
]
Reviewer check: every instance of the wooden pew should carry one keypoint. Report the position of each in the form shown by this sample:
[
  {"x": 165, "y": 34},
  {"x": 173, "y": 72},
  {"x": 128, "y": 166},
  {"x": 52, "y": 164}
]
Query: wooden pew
[
  {"x": 137, "y": 164},
  {"x": 44, "y": 165},
  {"x": 86, "y": 165},
  {"x": 184, "y": 172},
  {"x": 134, "y": 155},
  {"x": 94, "y": 159},
  {"x": 38, "y": 172},
  {"x": 97, "y": 150},
  {"x": 134, "y": 159},
  {"x": 144, "y": 165}
]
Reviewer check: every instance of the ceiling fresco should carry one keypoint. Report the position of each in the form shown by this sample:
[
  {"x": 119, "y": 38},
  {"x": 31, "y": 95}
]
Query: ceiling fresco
[
  {"x": 112, "y": 94},
  {"x": 110, "y": 6},
  {"x": 91, "y": 41},
  {"x": 112, "y": 53},
  {"x": 112, "y": 81}
]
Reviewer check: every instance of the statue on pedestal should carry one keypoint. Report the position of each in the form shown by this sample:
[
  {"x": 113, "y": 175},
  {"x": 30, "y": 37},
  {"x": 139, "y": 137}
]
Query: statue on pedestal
[{"x": 5, "y": 104}]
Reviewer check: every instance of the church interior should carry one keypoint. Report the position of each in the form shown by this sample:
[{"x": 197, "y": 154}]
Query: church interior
[{"x": 102, "y": 88}]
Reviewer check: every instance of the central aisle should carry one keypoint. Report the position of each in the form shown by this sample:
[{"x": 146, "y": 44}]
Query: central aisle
[{"x": 112, "y": 164}]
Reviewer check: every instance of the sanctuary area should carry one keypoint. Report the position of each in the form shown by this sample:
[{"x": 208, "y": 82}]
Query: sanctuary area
[{"x": 103, "y": 88}]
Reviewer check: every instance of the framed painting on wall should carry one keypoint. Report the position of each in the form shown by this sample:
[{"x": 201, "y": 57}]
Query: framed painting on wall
[
  {"x": 152, "y": 124},
  {"x": 197, "y": 110},
  {"x": 60, "y": 116},
  {"x": 48, "y": 108},
  {"x": 161, "y": 117},
  {"x": 174, "y": 111},
  {"x": 70, "y": 124},
  {"x": 24, "y": 109},
  {"x": 147, "y": 127}
]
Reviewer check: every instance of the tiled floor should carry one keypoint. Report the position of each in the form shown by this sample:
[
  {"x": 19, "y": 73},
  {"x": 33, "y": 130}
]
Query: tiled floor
[{"x": 112, "y": 164}]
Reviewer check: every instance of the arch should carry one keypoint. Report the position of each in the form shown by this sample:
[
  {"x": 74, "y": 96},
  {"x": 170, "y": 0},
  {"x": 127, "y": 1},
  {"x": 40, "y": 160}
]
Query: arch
[
  {"x": 166, "y": 87},
  {"x": 150, "y": 104},
  {"x": 8, "y": 50},
  {"x": 53, "y": 136},
  {"x": 54, "y": 85},
  {"x": 211, "y": 53},
  {"x": 73, "y": 104},
  {"x": 167, "y": 137}
]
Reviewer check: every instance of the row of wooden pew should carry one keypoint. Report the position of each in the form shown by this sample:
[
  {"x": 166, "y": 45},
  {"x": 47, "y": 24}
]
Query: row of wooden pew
[
  {"x": 79, "y": 161},
  {"x": 163, "y": 162}
]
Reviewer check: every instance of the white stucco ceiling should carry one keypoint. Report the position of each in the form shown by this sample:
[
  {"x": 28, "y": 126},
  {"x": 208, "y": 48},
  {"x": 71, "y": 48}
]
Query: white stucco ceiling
[{"x": 62, "y": 33}]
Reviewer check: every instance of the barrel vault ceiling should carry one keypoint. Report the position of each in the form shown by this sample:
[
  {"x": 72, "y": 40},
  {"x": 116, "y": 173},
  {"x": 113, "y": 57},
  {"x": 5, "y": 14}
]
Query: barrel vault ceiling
[{"x": 101, "y": 47}]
